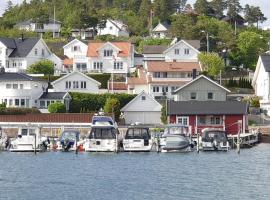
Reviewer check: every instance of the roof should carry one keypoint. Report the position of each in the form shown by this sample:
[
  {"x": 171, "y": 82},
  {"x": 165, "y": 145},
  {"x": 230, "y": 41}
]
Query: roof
[
  {"x": 117, "y": 86},
  {"x": 162, "y": 66},
  {"x": 154, "y": 49},
  {"x": 21, "y": 47},
  {"x": 164, "y": 27},
  {"x": 200, "y": 77},
  {"x": 134, "y": 104},
  {"x": 194, "y": 43},
  {"x": 68, "y": 61},
  {"x": 8, "y": 42},
  {"x": 57, "y": 48},
  {"x": 75, "y": 40},
  {"x": 9, "y": 76},
  {"x": 76, "y": 72},
  {"x": 265, "y": 58},
  {"x": 206, "y": 108},
  {"x": 53, "y": 95},
  {"x": 117, "y": 23},
  {"x": 140, "y": 80},
  {"x": 93, "y": 48}
]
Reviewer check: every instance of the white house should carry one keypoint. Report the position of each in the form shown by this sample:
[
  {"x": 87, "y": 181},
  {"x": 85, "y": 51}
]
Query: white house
[
  {"x": 51, "y": 25},
  {"x": 17, "y": 54},
  {"x": 261, "y": 81},
  {"x": 20, "y": 90},
  {"x": 76, "y": 51},
  {"x": 114, "y": 27},
  {"x": 166, "y": 69},
  {"x": 58, "y": 63},
  {"x": 160, "y": 31},
  {"x": 48, "y": 98},
  {"x": 144, "y": 109},
  {"x": 110, "y": 57},
  {"x": 84, "y": 34},
  {"x": 76, "y": 82}
]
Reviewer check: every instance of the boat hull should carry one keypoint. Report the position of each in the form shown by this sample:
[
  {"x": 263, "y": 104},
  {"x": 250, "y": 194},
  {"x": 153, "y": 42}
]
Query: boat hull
[
  {"x": 98, "y": 145},
  {"x": 136, "y": 145}
]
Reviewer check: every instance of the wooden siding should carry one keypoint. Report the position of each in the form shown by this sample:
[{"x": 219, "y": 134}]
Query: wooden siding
[{"x": 202, "y": 87}]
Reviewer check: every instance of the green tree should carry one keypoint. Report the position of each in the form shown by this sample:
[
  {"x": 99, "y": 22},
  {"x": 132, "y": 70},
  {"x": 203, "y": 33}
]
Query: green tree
[
  {"x": 233, "y": 8},
  {"x": 41, "y": 67},
  {"x": 253, "y": 14},
  {"x": 212, "y": 63},
  {"x": 163, "y": 116},
  {"x": 112, "y": 105},
  {"x": 202, "y": 7},
  {"x": 218, "y": 7},
  {"x": 144, "y": 12},
  {"x": 57, "y": 107}
]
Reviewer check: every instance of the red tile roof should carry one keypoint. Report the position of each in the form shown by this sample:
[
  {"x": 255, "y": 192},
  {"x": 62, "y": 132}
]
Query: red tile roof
[
  {"x": 118, "y": 86},
  {"x": 125, "y": 48},
  {"x": 162, "y": 66},
  {"x": 140, "y": 80},
  {"x": 68, "y": 61}
]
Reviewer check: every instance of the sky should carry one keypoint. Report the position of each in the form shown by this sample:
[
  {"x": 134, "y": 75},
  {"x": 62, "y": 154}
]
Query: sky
[{"x": 263, "y": 4}]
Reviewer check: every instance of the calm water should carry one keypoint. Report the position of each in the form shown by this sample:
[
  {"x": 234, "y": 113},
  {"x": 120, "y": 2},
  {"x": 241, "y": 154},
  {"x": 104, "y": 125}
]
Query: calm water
[{"x": 60, "y": 176}]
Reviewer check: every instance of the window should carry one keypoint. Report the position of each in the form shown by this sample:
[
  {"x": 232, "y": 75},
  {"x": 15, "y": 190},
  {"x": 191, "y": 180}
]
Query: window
[
  {"x": 155, "y": 88},
  {"x": 111, "y": 27},
  {"x": 14, "y": 64},
  {"x": 143, "y": 98},
  {"x": 75, "y": 84},
  {"x": 22, "y": 102},
  {"x": 10, "y": 102},
  {"x": 83, "y": 84},
  {"x": 176, "y": 51},
  {"x": 68, "y": 84},
  {"x": 42, "y": 52},
  {"x": 48, "y": 103},
  {"x": 8, "y": 86},
  {"x": 118, "y": 65},
  {"x": 42, "y": 104},
  {"x": 21, "y": 86},
  {"x": 193, "y": 95},
  {"x": 27, "y": 103},
  {"x": 186, "y": 51},
  {"x": 216, "y": 120},
  {"x": 98, "y": 65},
  {"x": 0, "y": 62},
  {"x": 15, "y": 86},
  {"x": 76, "y": 48},
  {"x": 17, "y": 102},
  {"x": 201, "y": 120},
  {"x": 81, "y": 66},
  {"x": 164, "y": 89},
  {"x": 182, "y": 120},
  {"x": 19, "y": 64},
  {"x": 107, "y": 53},
  {"x": 210, "y": 95},
  {"x": 36, "y": 51}
]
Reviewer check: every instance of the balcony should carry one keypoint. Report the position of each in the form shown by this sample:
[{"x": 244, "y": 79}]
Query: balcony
[{"x": 171, "y": 79}]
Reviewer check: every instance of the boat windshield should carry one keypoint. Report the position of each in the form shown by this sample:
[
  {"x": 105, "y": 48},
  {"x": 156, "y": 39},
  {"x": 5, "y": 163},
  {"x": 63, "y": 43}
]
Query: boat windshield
[
  {"x": 25, "y": 131},
  {"x": 137, "y": 133},
  {"x": 214, "y": 135},
  {"x": 103, "y": 133},
  {"x": 176, "y": 130},
  {"x": 69, "y": 135}
]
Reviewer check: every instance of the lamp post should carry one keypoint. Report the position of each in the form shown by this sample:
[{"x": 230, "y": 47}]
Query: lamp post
[{"x": 207, "y": 40}]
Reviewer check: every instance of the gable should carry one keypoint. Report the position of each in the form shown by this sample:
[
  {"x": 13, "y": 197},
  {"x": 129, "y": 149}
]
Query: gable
[
  {"x": 73, "y": 43},
  {"x": 181, "y": 45},
  {"x": 138, "y": 104},
  {"x": 160, "y": 27},
  {"x": 76, "y": 76}
]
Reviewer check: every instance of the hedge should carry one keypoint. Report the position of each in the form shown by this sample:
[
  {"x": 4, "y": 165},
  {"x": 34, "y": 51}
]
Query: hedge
[
  {"x": 83, "y": 102},
  {"x": 18, "y": 111},
  {"x": 102, "y": 78}
]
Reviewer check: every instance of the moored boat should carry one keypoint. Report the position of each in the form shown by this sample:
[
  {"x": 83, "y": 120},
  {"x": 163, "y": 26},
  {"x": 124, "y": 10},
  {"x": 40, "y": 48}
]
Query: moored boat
[
  {"x": 69, "y": 140},
  {"x": 176, "y": 138},
  {"x": 137, "y": 138},
  {"x": 214, "y": 140}
]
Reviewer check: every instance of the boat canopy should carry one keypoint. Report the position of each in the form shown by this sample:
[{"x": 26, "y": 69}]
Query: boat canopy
[
  {"x": 176, "y": 130},
  {"x": 71, "y": 135},
  {"x": 211, "y": 135},
  {"x": 102, "y": 120},
  {"x": 137, "y": 133},
  {"x": 103, "y": 133}
]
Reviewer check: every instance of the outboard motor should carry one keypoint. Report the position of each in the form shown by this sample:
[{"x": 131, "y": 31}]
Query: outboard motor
[
  {"x": 66, "y": 144},
  {"x": 215, "y": 144},
  {"x": 7, "y": 143}
]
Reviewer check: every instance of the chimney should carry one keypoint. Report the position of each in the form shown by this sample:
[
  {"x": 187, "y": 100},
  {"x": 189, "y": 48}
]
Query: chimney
[{"x": 194, "y": 73}]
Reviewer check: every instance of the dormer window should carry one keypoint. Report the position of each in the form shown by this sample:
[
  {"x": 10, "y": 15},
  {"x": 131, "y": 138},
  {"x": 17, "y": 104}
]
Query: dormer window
[
  {"x": 108, "y": 53},
  {"x": 186, "y": 51},
  {"x": 176, "y": 51}
]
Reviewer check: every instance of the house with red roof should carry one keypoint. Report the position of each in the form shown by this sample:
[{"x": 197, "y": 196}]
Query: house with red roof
[{"x": 166, "y": 68}]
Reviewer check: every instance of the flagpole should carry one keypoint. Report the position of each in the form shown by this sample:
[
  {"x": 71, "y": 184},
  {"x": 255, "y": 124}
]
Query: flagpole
[{"x": 54, "y": 21}]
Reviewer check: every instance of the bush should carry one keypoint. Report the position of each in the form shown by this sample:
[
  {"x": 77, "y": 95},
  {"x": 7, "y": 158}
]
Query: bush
[
  {"x": 112, "y": 105},
  {"x": 83, "y": 102},
  {"x": 18, "y": 111},
  {"x": 41, "y": 67},
  {"x": 57, "y": 107},
  {"x": 102, "y": 78}
]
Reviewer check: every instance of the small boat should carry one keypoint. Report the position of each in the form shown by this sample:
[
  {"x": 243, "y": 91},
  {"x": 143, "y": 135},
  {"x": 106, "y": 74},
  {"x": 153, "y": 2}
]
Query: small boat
[
  {"x": 69, "y": 140},
  {"x": 137, "y": 139},
  {"x": 28, "y": 140},
  {"x": 176, "y": 138},
  {"x": 103, "y": 136},
  {"x": 214, "y": 140},
  {"x": 246, "y": 140}
]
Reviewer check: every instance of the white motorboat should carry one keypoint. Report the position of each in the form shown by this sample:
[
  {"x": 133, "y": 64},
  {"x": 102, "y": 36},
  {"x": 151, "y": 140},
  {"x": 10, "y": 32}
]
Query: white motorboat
[
  {"x": 103, "y": 136},
  {"x": 137, "y": 139},
  {"x": 214, "y": 140},
  {"x": 176, "y": 138},
  {"x": 28, "y": 140}
]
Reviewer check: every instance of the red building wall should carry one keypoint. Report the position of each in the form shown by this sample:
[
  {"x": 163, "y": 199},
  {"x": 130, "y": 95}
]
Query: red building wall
[{"x": 231, "y": 125}]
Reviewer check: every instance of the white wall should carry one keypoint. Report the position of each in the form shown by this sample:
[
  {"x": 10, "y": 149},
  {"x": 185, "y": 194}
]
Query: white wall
[
  {"x": 3, "y": 54},
  {"x": 112, "y": 30},
  {"x": 170, "y": 55},
  {"x": 69, "y": 52},
  {"x": 143, "y": 117},
  {"x": 262, "y": 83},
  {"x": 91, "y": 87},
  {"x": 32, "y": 90}
]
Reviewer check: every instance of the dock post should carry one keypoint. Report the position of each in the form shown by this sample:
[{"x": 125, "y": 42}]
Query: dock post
[
  {"x": 198, "y": 150},
  {"x": 238, "y": 136},
  {"x": 35, "y": 145}
]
